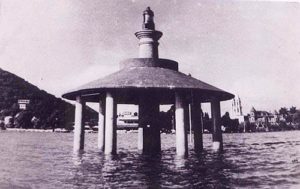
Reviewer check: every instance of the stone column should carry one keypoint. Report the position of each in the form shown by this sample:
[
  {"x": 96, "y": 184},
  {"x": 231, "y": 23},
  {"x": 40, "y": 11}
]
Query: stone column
[
  {"x": 187, "y": 122},
  {"x": 101, "y": 124},
  {"x": 110, "y": 125},
  {"x": 79, "y": 124},
  {"x": 140, "y": 137},
  {"x": 149, "y": 128},
  {"x": 143, "y": 118},
  {"x": 180, "y": 122},
  {"x": 196, "y": 124},
  {"x": 216, "y": 118}
]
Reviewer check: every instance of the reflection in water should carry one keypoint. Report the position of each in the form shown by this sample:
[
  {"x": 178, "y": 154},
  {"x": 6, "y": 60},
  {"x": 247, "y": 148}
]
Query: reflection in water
[
  {"x": 261, "y": 160},
  {"x": 218, "y": 170},
  {"x": 77, "y": 157},
  {"x": 150, "y": 168},
  {"x": 87, "y": 170},
  {"x": 201, "y": 170}
]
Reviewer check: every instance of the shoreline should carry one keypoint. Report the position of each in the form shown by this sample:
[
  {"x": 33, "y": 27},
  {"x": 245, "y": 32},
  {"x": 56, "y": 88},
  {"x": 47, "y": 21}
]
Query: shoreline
[
  {"x": 36, "y": 130},
  {"x": 58, "y": 130}
]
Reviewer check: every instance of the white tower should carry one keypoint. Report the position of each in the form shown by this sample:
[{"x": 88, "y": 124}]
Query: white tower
[{"x": 236, "y": 107}]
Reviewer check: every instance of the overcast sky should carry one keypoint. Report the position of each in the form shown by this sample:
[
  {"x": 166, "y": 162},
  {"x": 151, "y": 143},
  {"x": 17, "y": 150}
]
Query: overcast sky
[{"x": 247, "y": 48}]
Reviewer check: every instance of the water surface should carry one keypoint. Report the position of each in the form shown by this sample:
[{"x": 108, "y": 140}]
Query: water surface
[{"x": 46, "y": 160}]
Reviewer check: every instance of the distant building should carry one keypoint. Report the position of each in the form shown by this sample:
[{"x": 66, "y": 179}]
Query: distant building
[
  {"x": 127, "y": 120},
  {"x": 237, "y": 106},
  {"x": 263, "y": 118},
  {"x": 23, "y": 104},
  {"x": 237, "y": 110}
]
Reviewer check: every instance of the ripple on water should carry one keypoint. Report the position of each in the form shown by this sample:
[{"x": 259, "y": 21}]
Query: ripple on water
[{"x": 46, "y": 160}]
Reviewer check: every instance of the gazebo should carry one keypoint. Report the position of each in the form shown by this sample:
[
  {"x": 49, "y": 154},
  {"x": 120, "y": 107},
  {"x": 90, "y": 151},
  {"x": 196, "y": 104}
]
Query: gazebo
[{"x": 148, "y": 81}]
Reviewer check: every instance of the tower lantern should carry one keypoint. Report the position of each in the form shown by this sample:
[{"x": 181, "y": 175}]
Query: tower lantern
[{"x": 148, "y": 19}]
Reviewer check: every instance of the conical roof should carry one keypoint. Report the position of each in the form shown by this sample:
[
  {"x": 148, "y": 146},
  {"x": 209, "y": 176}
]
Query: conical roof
[{"x": 148, "y": 74}]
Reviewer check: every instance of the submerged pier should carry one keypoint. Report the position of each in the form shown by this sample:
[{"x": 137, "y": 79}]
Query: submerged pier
[{"x": 148, "y": 81}]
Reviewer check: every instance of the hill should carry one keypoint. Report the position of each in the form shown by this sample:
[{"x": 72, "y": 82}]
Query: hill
[{"x": 44, "y": 106}]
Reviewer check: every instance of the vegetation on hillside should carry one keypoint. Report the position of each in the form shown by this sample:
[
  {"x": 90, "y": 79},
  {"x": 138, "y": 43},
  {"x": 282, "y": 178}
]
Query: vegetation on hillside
[{"x": 46, "y": 108}]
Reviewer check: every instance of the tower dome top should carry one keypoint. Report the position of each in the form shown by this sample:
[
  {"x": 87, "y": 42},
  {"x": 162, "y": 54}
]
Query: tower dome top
[
  {"x": 148, "y": 22},
  {"x": 148, "y": 11}
]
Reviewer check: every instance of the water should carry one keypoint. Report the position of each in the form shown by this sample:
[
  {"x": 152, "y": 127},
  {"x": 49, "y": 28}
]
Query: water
[{"x": 46, "y": 160}]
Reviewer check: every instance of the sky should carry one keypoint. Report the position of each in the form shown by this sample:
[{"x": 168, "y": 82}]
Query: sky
[{"x": 248, "y": 48}]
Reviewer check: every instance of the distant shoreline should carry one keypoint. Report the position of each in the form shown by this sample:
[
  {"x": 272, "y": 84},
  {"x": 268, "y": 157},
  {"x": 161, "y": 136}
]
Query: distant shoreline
[
  {"x": 37, "y": 130},
  {"x": 58, "y": 130}
]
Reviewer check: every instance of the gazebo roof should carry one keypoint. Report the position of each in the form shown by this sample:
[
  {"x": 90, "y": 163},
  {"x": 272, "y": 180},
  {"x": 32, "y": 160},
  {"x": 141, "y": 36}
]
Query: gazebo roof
[{"x": 147, "y": 74}]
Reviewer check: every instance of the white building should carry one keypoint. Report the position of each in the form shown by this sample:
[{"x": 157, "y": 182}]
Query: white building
[{"x": 237, "y": 110}]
